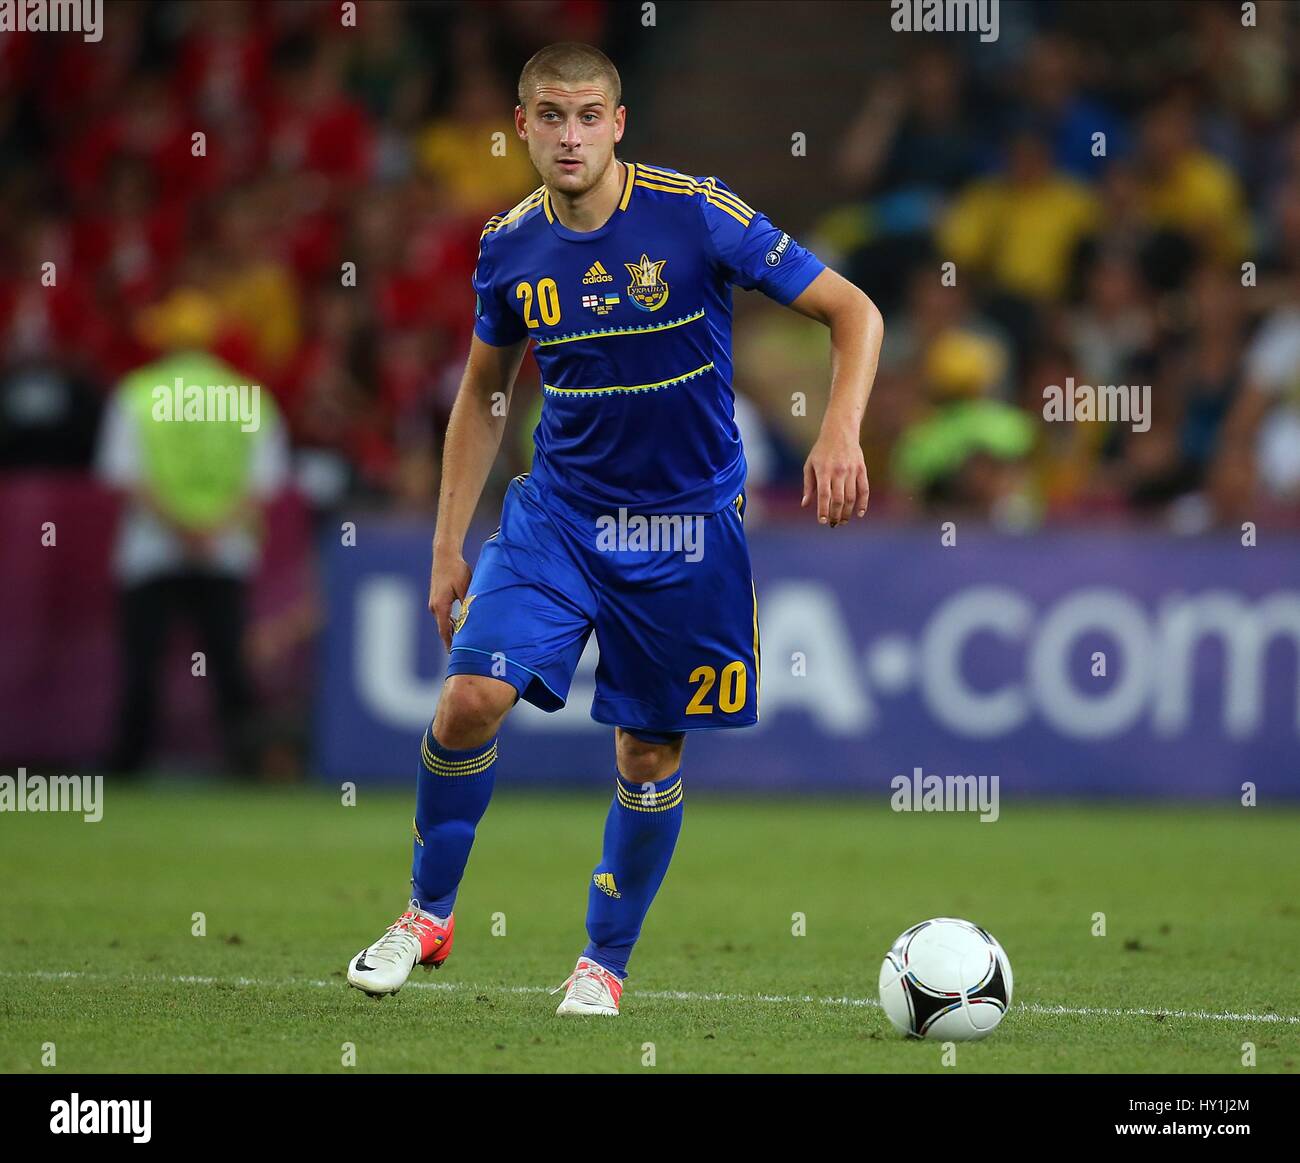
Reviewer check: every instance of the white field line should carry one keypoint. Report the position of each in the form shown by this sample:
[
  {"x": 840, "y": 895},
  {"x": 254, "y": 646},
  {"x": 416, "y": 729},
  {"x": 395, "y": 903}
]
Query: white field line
[{"x": 658, "y": 995}]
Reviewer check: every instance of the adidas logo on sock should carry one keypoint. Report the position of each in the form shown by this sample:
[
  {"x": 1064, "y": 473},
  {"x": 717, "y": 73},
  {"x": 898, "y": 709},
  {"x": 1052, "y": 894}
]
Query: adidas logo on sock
[{"x": 605, "y": 882}]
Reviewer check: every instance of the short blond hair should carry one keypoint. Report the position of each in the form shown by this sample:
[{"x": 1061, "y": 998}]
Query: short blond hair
[{"x": 569, "y": 63}]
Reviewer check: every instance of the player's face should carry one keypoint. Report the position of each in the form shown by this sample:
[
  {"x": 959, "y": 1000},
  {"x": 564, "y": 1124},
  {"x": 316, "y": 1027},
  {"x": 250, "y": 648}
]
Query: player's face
[{"x": 571, "y": 133}]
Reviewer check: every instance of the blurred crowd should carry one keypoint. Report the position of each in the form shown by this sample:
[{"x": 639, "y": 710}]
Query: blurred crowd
[
  {"x": 1102, "y": 221},
  {"x": 1082, "y": 211},
  {"x": 319, "y": 236}
]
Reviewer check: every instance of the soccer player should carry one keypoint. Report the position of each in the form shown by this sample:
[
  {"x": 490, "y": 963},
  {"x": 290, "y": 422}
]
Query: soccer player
[{"x": 620, "y": 274}]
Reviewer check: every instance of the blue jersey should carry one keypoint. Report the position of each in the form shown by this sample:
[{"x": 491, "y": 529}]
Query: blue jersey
[{"x": 632, "y": 331}]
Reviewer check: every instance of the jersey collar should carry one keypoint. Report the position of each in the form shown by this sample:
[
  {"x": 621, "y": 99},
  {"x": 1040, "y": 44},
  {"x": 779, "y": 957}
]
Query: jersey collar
[{"x": 591, "y": 235}]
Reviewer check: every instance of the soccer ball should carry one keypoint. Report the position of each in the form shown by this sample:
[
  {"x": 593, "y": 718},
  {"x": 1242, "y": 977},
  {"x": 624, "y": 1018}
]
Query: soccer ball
[{"x": 946, "y": 979}]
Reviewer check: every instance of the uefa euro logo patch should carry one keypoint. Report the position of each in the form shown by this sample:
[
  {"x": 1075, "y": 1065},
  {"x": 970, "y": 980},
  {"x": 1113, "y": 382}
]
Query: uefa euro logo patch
[{"x": 648, "y": 291}]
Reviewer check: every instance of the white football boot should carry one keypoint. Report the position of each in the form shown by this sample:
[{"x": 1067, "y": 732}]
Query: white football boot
[
  {"x": 590, "y": 989},
  {"x": 415, "y": 938}
]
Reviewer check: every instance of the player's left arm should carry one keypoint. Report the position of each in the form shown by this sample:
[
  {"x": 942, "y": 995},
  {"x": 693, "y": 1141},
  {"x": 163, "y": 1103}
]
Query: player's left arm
[
  {"x": 752, "y": 253},
  {"x": 835, "y": 471}
]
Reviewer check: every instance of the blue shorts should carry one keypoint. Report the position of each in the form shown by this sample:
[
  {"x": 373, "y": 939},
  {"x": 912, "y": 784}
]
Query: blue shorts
[{"x": 676, "y": 623}]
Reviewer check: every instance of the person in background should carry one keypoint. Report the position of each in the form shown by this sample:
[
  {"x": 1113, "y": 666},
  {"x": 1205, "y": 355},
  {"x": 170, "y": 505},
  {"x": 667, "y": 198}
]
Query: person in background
[
  {"x": 965, "y": 450},
  {"x": 1051, "y": 86},
  {"x": 1185, "y": 188},
  {"x": 971, "y": 460},
  {"x": 188, "y": 543},
  {"x": 913, "y": 144},
  {"x": 1019, "y": 231},
  {"x": 1258, "y": 454}
]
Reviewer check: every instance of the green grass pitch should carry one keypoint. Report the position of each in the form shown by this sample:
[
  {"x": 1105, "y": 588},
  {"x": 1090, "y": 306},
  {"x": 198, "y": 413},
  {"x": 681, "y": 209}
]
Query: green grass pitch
[{"x": 1202, "y": 912}]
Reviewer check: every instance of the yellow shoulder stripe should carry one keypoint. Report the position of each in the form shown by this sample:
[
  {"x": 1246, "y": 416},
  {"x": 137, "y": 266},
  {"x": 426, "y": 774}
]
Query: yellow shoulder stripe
[
  {"x": 500, "y": 220},
  {"x": 709, "y": 185},
  {"x": 741, "y": 218}
]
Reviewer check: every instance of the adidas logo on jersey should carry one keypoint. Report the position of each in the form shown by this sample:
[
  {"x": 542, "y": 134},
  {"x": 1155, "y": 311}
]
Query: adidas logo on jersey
[{"x": 596, "y": 273}]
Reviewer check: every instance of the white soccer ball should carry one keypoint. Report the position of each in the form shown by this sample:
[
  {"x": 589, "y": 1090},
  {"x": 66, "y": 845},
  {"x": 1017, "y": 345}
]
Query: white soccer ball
[{"x": 946, "y": 979}]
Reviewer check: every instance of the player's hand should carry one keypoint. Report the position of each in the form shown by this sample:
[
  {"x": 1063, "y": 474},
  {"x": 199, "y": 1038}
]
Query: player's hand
[
  {"x": 448, "y": 582},
  {"x": 835, "y": 475}
]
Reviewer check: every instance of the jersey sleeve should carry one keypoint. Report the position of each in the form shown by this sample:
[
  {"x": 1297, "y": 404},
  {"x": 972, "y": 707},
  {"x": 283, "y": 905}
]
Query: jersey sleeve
[
  {"x": 749, "y": 251},
  {"x": 494, "y": 322}
]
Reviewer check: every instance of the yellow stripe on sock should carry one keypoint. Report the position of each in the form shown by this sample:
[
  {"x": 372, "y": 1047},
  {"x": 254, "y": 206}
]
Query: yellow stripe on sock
[
  {"x": 632, "y": 804},
  {"x": 658, "y": 801},
  {"x": 453, "y": 767}
]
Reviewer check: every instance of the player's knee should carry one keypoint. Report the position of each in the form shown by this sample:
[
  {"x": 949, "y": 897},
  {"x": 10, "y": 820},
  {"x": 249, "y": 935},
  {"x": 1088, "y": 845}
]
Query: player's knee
[
  {"x": 471, "y": 710},
  {"x": 642, "y": 762}
]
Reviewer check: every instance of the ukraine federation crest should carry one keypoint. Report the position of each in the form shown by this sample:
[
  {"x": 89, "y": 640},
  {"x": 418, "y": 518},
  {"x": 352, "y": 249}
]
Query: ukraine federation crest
[{"x": 648, "y": 291}]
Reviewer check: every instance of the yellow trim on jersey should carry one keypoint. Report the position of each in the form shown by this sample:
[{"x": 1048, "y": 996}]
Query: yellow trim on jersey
[
  {"x": 633, "y": 388},
  {"x": 691, "y": 193},
  {"x": 622, "y": 202},
  {"x": 622, "y": 330},
  {"x": 711, "y": 194},
  {"x": 710, "y": 184},
  {"x": 495, "y": 224},
  {"x": 688, "y": 193},
  {"x": 708, "y": 188},
  {"x": 499, "y": 220},
  {"x": 663, "y": 180},
  {"x": 758, "y": 661}
]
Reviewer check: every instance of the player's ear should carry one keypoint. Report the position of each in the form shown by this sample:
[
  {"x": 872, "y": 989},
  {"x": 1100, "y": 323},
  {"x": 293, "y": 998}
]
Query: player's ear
[{"x": 521, "y": 120}]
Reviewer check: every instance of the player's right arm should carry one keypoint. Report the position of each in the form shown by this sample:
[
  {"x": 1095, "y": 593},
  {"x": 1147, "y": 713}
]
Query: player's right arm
[{"x": 474, "y": 431}]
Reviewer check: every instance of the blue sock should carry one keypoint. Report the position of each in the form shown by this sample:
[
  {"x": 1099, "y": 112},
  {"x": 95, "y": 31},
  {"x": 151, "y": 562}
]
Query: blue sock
[
  {"x": 451, "y": 796},
  {"x": 640, "y": 834}
]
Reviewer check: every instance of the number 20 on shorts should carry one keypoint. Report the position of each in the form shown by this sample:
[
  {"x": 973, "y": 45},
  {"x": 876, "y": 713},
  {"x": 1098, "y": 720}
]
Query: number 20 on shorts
[{"x": 731, "y": 689}]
